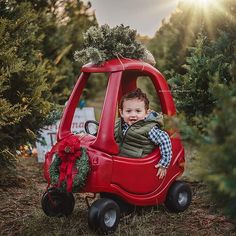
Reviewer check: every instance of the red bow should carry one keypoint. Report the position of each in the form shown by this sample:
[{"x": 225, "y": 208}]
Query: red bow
[{"x": 68, "y": 151}]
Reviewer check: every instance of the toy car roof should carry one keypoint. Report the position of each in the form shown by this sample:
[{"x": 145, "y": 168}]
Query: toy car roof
[{"x": 119, "y": 64}]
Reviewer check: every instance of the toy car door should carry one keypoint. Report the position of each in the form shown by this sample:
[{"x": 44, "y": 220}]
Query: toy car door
[{"x": 138, "y": 175}]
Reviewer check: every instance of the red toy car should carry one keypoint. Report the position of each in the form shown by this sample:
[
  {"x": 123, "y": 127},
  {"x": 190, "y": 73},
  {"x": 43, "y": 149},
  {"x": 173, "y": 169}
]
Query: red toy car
[{"x": 121, "y": 181}]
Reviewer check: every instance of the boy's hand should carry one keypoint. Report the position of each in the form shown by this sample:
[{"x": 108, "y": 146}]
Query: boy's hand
[{"x": 161, "y": 171}]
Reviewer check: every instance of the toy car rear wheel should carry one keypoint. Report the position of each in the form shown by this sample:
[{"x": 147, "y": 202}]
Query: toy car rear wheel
[
  {"x": 104, "y": 216},
  {"x": 56, "y": 203},
  {"x": 179, "y": 197}
]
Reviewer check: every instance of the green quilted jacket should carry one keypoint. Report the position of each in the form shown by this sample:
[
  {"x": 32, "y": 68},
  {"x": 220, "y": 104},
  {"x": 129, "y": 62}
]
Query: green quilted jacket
[{"x": 135, "y": 143}]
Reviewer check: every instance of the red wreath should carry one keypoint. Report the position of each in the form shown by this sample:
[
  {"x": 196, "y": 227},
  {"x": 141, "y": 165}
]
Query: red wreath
[{"x": 68, "y": 151}]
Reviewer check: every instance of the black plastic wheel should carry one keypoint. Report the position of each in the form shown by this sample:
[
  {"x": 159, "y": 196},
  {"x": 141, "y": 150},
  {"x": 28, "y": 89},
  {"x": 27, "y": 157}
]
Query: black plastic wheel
[
  {"x": 179, "y": 197},
  {"x": 125, "y": 207},
  {"x": 104, "y": 216},
  {"x": 56, "y": 203}
]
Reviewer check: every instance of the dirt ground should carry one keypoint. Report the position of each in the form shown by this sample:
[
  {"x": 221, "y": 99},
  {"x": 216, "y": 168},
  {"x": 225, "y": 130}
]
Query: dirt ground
[{"x": 21, "y": 213}]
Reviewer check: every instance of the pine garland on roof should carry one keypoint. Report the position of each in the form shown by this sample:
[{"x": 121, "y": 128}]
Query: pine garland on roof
[{"x": 104, "y": 43}]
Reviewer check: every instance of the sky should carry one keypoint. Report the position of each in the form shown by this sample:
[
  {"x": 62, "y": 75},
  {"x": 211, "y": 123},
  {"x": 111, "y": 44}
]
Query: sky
[{"x": 143, "y": 15}]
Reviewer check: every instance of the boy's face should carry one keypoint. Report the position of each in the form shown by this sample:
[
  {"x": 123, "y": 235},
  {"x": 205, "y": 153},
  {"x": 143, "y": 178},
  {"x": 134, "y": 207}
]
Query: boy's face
[{"x": 133, "y": 110}]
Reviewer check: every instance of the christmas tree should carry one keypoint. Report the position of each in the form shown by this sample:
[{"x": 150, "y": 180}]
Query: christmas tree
[
  {"x": 105, "y": 43},
  {"x": 24, "y": 92}
]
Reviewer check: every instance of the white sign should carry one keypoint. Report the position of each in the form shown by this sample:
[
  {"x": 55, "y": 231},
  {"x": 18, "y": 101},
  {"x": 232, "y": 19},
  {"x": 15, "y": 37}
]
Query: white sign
[{"x": 48, "y": 134}]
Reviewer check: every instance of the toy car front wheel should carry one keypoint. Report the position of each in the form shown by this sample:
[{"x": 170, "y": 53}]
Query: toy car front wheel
[
  {"x": 104, "y": 216},
  {"x": 179, "y": 197},
  {"x": 57, "y": 203},
  {"x": 125, "y": 208}
]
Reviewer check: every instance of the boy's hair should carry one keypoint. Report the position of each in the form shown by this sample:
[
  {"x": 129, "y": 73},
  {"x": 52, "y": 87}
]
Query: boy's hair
[{"x": 137, "y": 93}]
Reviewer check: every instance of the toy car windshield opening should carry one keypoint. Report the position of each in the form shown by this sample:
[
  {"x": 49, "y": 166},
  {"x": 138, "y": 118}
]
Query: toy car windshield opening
[{"x": 94, "y": 92}]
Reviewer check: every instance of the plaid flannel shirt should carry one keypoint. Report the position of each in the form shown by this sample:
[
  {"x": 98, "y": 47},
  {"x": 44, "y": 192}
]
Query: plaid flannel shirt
[{"x": 161, "y": 139}]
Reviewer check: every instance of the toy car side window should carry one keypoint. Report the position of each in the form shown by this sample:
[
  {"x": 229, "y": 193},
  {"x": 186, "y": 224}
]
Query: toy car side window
[
  {"x": 145, "y": 83},
  {"x": 90, "y": 102}
]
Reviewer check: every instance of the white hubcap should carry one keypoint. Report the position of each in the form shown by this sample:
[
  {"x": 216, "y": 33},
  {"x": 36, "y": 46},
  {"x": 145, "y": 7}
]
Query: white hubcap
[
  {"x": 183, "y": 198},
  {"x": 110, "y": 218}
]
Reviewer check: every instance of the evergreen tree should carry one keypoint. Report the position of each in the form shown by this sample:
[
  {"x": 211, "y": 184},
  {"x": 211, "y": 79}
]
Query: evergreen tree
[
  {"x": 170, "y": 45},
  {"x": 206, "y": 93},
  {"x": 24, "y": 92},
  {"x": 64, "y": 27},
  {"x": 217, "y": 163},
  {"x": 193, "y": 47},
  {"x": 195, "y": 91},
  {"x": 36, "y": 60}
]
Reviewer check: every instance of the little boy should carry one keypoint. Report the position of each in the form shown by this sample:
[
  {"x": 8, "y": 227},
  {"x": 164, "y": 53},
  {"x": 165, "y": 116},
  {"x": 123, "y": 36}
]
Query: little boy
[{"x": 138, "y": 131}]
